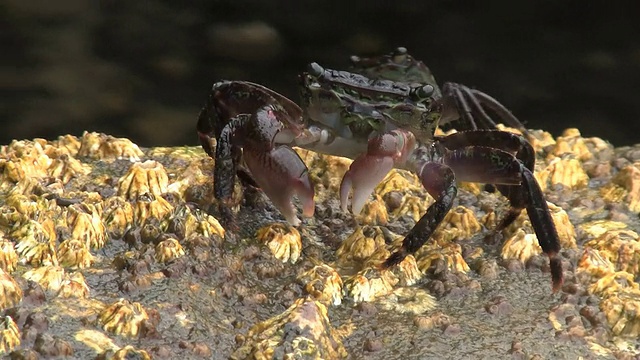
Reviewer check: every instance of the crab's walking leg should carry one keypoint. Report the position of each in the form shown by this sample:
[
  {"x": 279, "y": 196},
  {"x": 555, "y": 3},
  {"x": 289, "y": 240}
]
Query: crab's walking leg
[
  {"x": 473, "y": 160},
  {"x": 470, "y": 106},
  {"x": 439, "y": 180},
  {"x": 278, "y": 170}
]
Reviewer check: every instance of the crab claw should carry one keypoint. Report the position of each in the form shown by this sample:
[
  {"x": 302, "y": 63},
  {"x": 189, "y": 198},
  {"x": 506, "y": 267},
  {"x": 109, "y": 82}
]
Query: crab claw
[
  {"x": 281, "y": 174},
  {"x": 383, "y": 153}
]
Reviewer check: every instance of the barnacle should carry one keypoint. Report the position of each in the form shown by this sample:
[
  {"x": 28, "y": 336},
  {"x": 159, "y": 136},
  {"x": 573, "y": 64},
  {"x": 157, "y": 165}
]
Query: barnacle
[
  {"x": 620, "y": 247},
  {"x": 65, "y": 144},
  {"x": 407, "y": 271},
  {"x": 52, "y": 346},
  {"x": 74, "y": 286},
  {"x": 35, "y": 244},
  {"x": 74, "y": 253},
  {"x": 183, "y": 223},
  {"x": 208, "y": 225},
  {"x": 408, "y": 300},
  {"x": 10, "y": 291},
  {"x": 150, "y": 206},
  {"x": 459, "y": 223},
  {"x": 168, "y": 249},
  {"x": 594, "y": 264},
  {"x": 301, "y": 331},
  {"x": 413, "y": 206},
  {"x": 8, "y": 255},
  {"x": 125, "y": 353},
  {"x": 108, "y": 148},
  {"x": 9, "y": 335},
  {"x": 623, "y": 312},
  {"x": 566, "y": 171},
  {"x": 25, "y": 159},
  {"x": 65, "y": 167},
  {"x": 375, "y": 212},
  {"x": 564, "y": 227},
  {"x": 521, "y": 246},
  {"x": 323, "y": 283},
  {"x": 363, "y": 243},
  {"x": 86, "y": 225},
  {"x": 117, "y": 216},
  {"x": 370, "y": 284},
  {"x": 123, "y": 318},
  {"x": 570, "y": 142},
  {"x": 148, "y": 177},
  {"x": 448, "y": 254},
  {"x": 399, "y": 180},
  {"x": 49, "y": 277},
  {"x": 283, "y": 240},
  {"x": 614, "y": 283},
  {"x": 629, "y": 179}
]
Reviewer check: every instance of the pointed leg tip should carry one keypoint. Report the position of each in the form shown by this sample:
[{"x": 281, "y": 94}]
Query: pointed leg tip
[
  {"x": 557, "y": 276},
  {"x": 394, "y": 259}
]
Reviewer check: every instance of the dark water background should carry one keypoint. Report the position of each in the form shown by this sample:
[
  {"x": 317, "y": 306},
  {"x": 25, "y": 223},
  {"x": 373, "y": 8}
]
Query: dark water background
[{"x": 142, "y": 69}]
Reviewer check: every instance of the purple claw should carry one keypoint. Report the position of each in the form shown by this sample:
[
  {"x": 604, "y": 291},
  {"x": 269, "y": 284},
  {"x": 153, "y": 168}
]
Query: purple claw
[{"x": 281, "y": 174}]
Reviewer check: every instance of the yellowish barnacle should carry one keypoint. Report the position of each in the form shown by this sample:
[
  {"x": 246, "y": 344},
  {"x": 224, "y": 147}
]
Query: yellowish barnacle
[
  {"x": 629, "y": 179},
  {"x": 323, "y": 284},
  {"x": 370, "y": 284},
  {"x": 460, "y": 223},
  {"x": 86, "y": 224},
  {"x": 125, "y": 353},
  {"x": 283, "y": 240},
  {"x": 183, "y": 222},
  {"x": 571, "y": 142},
  {"x": 566, "y": 171},
  {"x": 564, "y": 226},
  {"x": 168, "y": 249},
  {"x": 325, "y": 170},
  {"x": 363, "y": 243},
  {"x": 74, "y": 286},
  {"x": 622, "y": 310},
  {"x": 408, "y": 300},
  {"x": 594, "y": 264},
  {"x": 148, "y": 177},
  {"x": 26, "y": 159},
  {"x": 9, "y": 335},
  {"x": 613, "y": 283},
  {"x": 303, "y": 331},
  {"x": 24, "y": 204},
  {"x": 540, "y": 139},
  {"x": 598, "y": 227},
  {"x": 521, "y": 246},
  {"x": 65, "y": 144},
  {"x": 374, "y": 212},
  {"x": 65, "y": 168},
  {"x": 117, "y": 216},
  {"x": 620, "y": 247},
  {"x": 150, "y": 206},
  {"x": 10, "y": 217},
  {"x": 123, "y": 318},
  {"x": 446, "y": 254},
  {"x": 407, "y": 271},
  {"x": 10, "y": 291},
  {"x": 74, "y": 253},
  {"x": 399, "y": 180},
  {"x": 49, "y": 277},
  {"x": 35, "y": 243},
  {"x": 195, "y": 174},
  {"x": 108, "y": 148},
  {"x": 412, "y": 205},
  {"x": 8, "y": 255},
  {"x": 207, "y": 225}
]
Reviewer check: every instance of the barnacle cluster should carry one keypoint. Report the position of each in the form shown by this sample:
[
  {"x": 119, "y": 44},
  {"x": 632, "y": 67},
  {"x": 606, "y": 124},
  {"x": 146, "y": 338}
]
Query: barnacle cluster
[
  {"x": 9, "y": 335},
  {"x": 96, "y": 216},
  {"x": 283, "y": 240},
  {"x": 123, "y": 318},
  {"x": 301, "y": 331}
]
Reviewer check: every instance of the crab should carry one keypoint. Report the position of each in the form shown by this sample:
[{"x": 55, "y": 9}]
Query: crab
[{"x": 383, "y": 114}]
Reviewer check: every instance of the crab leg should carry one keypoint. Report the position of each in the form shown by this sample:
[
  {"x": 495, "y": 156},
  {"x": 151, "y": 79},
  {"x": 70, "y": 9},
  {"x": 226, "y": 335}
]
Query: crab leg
[
  {"x": 439, "y": 181},
  {"x": 496, "y": 166},
  {"x": 384, "y": 152}
]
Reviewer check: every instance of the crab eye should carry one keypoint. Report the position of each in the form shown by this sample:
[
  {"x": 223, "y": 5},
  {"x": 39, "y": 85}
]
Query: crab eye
[
  {"x": 399, "y": 55},
  {"x": 315, "y": 70},
  {"x": 421, "y": 92}
]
